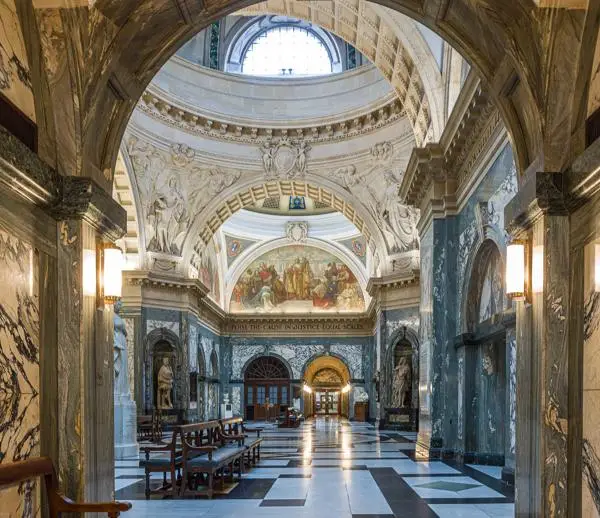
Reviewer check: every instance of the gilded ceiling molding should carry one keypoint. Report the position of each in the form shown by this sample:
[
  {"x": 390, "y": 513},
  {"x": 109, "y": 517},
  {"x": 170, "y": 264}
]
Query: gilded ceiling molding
[
  {"x": 169, "y": 113},
  {"x": 359, "y": 24}
]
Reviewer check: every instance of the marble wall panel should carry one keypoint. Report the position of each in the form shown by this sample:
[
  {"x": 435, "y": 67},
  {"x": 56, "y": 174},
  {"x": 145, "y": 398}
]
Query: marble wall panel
[
  {"x": 193, "y": 348},
  {"x": 594, "y": 95},
  {"x": 591, "y": 390},
  {"x": 426, "y": 329},
  {"x": 236, "y": 399},
  {"x": 19, "y": 368},
  {"x": 130, "y": 328},
  {"x": 15, "y": 77}
]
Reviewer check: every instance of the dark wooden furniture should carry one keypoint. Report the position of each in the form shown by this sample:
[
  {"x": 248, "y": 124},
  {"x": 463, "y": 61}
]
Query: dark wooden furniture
[
  {"x": 290, "y": 419},
  {"x": 163, "y": 459},
  {"x": 361, "y": 411},
  {"x": 234, "y": 427},
  {"x": 16, "y": 472},
  {"x": 149, "y": 427},
  {"x": 209, "y": 452}
]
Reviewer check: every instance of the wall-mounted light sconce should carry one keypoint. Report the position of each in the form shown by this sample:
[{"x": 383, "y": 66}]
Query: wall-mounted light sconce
[
  {"x": 515, "y": 270},
  {"x": 346, "y": 388},
  {"x": 307, "y": 389},
  {"x": 112, "y": 272},
  {"x": 537, "y": 269},
  {"x": 90, "y": 273}
]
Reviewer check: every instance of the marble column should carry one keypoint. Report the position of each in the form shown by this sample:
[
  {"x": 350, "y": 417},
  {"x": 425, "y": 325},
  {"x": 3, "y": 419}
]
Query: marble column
[
  {"x": 544, "y": 368},
  {"x": 437, "y": 362},
  {"x": 64, "y": 216}
]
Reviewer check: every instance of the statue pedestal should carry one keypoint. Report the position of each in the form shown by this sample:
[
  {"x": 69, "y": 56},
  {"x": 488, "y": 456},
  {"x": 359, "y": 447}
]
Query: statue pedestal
[{"x": 125, "y": 427}]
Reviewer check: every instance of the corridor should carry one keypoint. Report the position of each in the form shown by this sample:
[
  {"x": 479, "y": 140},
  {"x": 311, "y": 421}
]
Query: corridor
[{"x": 335, "y": 468}]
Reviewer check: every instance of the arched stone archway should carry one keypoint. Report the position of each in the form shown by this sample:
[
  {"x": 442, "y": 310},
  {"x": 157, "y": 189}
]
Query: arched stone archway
[
  {"x": 506, "y": 43},
  {"x": 327, "y": 383}
]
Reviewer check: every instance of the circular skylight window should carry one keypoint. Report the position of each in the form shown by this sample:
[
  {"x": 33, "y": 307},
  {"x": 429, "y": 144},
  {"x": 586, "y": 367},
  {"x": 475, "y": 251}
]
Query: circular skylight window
[{"x": 286, "y": 52}]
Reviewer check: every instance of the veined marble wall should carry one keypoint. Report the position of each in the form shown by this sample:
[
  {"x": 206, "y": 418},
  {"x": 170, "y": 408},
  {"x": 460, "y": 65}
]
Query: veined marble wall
[
  {"x": 15, "y": 78},
  {"x": 591, "y": 390},
  {"x": 19, "y": 367}
]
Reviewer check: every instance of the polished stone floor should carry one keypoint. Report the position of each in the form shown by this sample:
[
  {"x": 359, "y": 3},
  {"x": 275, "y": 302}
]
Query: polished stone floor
[{"x": 335, "y": 469}]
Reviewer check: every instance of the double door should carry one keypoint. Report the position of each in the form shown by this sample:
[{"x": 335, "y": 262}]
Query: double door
[
  {"x": 327, "y": 402},
  {"x": 266, "y": 400}
]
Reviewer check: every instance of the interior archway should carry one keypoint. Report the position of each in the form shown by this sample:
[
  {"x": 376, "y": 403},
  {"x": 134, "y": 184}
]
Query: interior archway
[
  {"x": 327, "y": 387},
  {"x": 266, "y": 388}
]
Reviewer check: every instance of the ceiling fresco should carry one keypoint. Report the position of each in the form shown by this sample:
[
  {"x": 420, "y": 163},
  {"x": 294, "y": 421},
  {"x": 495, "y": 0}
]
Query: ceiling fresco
[{"x": 297, "y": 279}]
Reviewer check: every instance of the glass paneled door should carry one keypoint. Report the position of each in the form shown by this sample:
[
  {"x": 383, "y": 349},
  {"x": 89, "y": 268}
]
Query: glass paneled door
[{"x": 327, "y": 402}]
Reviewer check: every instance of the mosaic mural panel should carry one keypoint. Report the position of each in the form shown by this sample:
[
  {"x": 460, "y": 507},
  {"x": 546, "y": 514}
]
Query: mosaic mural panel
[
  {"x": 19, "y": 369},
  {"x": 297, "y": 279}
]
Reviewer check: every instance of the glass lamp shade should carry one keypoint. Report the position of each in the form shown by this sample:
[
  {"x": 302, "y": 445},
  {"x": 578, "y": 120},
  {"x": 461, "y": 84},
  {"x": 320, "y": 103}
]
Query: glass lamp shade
[
  {"x": 537, "y": 269},
  {"x": 307, "y": 389},
  {"x": 113, "y": 273},
  {"x": 346, "y": 389},
  {"x": 89, "y": 273},
  {"x": 515, "y": 270}
]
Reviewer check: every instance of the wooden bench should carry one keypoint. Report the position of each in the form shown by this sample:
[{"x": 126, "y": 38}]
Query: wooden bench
[
  {"x": 209, "y": 451},
  {"x": 165, "y": 459},
  {"x": 235, "y": 426},
  {"x": 16, "y": 472}
]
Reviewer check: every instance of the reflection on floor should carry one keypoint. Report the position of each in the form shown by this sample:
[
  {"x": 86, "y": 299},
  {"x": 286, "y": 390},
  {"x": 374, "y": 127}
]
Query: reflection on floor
[{"x": 330, "y": 468}]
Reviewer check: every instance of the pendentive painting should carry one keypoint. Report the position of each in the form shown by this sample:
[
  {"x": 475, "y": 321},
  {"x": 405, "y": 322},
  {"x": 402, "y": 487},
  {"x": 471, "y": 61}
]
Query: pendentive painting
[{"x": 297, "y": 279}]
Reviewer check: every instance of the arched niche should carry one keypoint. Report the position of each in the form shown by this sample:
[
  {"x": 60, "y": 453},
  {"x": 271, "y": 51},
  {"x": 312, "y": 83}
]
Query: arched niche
[
  {"x": 159, "y": 344},
  {"x": 327, "y": 375},
  {"x": 485, "y": 293},
  {"x": 266, "y": 387},
  {"x": 399, "y": 380}
]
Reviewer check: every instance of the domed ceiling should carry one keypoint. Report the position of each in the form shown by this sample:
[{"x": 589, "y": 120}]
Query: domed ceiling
[{"x": 215, "y": 167}]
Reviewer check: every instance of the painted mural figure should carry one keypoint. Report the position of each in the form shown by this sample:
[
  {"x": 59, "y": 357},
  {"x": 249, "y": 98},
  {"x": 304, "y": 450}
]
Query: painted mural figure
[
  {"x": 121, "y": 385},
  {"x": 402, "y": 383},
  {"x": 165, "y": 385},
  {"x": 293, "y": 277}
]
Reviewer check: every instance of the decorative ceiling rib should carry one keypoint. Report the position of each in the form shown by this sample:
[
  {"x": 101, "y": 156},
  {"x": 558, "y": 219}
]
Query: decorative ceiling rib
[
  {"x": 358, "y": 23},
  {"x": 267, "y": 190}
]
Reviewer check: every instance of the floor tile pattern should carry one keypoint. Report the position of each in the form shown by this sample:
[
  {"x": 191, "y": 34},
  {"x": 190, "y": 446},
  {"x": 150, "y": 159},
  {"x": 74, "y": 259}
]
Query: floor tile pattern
[{"x": 334, "y": 468}]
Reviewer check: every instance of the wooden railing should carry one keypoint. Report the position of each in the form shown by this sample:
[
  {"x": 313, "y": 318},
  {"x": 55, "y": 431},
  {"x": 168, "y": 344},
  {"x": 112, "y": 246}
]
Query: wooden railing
[{"x": 16, "y": 472}]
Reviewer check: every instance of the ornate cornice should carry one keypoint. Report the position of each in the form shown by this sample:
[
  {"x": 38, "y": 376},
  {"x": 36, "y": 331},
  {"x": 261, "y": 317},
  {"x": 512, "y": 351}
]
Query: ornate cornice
[
  {"x": 62, "y": 197},
  {"x": 393, "y": 281},
  {"x": 289, "y": 325},
  {"x": 438, "y": 176},
  {"x": 165, "y": 281},
  {"x": 198, "y": 124}
]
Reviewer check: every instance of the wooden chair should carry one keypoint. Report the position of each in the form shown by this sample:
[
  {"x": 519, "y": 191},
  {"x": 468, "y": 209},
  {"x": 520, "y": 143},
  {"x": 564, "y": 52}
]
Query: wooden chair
[
  {"x": 16, "y": 472},
  {"x": 168, "y": 461}
]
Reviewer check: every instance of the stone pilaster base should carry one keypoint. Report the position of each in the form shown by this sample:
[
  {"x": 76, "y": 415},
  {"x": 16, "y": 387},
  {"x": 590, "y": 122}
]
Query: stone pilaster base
[{"x": 125, "y": 428}]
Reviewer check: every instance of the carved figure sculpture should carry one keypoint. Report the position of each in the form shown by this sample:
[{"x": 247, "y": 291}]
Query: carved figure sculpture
[
  {"x": 401, "y": 383},
  {"x": 399, "y": 218},
  {"x": 121, "y": 385},
  {"x": 267, "y": 152},
  {"x": 165, "y": 385}
]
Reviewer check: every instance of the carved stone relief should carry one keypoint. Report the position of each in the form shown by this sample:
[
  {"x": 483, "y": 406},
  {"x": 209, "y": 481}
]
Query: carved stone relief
[
  {"x": 397, "y": 222},
  {"x": 296, "y": 231},
  {"x": 285, "y": 159},
  {"x": 173, "y": 188}
]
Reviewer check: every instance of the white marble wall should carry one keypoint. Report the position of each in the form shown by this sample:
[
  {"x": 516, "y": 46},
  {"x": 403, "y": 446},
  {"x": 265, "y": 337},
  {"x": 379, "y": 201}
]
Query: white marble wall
[
  {"x": 19, "y": 369},
  {"x": 591, "y": 390}
]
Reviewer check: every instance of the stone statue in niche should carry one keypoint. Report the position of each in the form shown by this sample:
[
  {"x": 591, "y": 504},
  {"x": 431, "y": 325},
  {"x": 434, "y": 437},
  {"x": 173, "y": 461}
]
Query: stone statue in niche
[
  {"x": 165, "y": 385},
  {"x": 121, "y": 385},
  {"x": 401, "y": 388}
]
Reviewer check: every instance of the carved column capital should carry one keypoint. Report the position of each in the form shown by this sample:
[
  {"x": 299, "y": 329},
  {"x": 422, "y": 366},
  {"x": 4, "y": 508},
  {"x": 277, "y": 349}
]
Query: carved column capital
[
  {"x": 63, "y": 197},
  {"x": 543, "y": 193}
]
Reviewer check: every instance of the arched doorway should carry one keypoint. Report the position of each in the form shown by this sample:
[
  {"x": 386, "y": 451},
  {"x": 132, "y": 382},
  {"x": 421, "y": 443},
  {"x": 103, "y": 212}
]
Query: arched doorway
[
  {"x": 327, "y": 387},
  {"x": 266, "y": 388}
]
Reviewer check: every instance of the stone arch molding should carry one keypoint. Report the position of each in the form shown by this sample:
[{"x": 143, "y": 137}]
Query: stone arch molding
[
  {"x": 265, "y": 354},
  {"x": 391, "y": 41},
  {"x": 200, "y": 198},
  {"x": 335, "y": 249}
]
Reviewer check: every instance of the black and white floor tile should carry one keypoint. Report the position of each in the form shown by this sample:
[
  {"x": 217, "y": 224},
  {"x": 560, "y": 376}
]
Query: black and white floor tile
[{"x": 329, "y": 468}]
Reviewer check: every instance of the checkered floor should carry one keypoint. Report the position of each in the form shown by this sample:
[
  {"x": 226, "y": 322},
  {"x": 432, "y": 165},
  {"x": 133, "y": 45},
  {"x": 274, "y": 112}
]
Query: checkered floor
[{"x": 329, "y": 468}]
